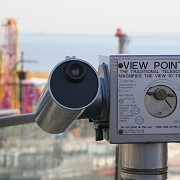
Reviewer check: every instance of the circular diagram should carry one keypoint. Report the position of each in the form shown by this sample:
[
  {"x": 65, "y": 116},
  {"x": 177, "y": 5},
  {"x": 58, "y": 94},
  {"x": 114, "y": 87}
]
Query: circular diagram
[{"x": 160, "y": 101}]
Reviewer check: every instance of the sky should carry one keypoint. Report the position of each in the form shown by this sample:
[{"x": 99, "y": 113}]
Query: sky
[{"x": 94, "y": 16}]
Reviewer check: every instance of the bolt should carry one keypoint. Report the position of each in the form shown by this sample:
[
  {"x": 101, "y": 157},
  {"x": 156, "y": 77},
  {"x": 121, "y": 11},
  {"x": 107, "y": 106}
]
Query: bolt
[
  {"x": 120, "y": 65},
  {"x": 161, "y": 94},
  {"x": 120, "y": 131}
]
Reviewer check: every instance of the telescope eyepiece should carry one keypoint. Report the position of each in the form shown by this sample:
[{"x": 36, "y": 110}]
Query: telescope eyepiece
[{"x": 75, "y": 71}]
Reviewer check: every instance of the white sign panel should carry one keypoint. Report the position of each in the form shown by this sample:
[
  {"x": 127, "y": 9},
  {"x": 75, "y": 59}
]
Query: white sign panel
[{"x": 148, "y": 97}]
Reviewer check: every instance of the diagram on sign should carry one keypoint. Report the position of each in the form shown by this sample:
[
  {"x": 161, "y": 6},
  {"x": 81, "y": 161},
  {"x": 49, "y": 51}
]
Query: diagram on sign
[{"x": 160, "y": 101}]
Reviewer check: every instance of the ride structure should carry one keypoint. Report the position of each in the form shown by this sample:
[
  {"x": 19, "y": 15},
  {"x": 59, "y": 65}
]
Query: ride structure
[
  {"x": 10, "y": 56},
  {"x": 17, "y": 90}
]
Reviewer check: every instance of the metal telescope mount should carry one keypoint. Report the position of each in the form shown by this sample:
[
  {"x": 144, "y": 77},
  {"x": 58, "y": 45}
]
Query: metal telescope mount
[{"x": 132, "y": 100}]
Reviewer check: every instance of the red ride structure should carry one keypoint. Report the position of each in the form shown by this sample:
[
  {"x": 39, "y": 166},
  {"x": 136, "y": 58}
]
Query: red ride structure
[{"x": 10, "y": 56}]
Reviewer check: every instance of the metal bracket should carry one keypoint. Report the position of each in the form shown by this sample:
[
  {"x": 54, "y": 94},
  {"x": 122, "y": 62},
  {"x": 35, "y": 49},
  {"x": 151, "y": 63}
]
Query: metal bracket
[{"x": 99, "y": 126}]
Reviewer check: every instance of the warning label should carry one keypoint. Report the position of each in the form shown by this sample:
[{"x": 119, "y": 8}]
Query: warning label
[{"x": 148, "y": 93}]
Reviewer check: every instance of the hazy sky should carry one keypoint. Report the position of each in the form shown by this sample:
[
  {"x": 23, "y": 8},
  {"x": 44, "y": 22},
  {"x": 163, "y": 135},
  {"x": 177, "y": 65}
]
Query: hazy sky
[{"x": 94, "y": 16}]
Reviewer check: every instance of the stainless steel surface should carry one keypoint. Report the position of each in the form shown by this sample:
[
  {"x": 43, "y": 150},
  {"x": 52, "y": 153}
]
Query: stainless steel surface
[
  {"x": 144, "y": 161},
  {"x": 52, "y": 117},
  {"x": 144, "y": 156},
  {"x": 143, "y": 177}
]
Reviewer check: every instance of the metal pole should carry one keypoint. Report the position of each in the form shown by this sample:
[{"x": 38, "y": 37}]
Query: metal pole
[
  {"x": 21, "y": 94},
  {"x": 123, "y": 40},
  {"x": 22, "y": 77},
  {"x": 144, "y": 161}
]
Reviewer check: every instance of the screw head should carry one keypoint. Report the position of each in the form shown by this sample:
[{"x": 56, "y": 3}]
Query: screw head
[
  {"x": 161, "y": 94},
  {"x": 120, "y": 65},
  {"x": 120, "y": 131}
]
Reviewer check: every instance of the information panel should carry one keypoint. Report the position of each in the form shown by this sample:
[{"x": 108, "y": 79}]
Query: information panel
[{"x": 148, "y": 97}]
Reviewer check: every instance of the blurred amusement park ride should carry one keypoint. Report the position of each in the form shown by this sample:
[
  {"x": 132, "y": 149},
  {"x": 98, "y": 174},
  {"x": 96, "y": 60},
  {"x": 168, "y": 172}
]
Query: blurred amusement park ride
[{"x": 19, "y": 89}]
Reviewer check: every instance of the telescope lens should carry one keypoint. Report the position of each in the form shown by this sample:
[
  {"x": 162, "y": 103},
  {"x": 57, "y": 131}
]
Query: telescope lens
[{"x": 75, "y": 71}]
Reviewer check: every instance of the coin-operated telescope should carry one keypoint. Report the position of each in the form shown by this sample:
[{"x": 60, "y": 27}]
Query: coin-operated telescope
[{"x": 132, "y": 98}]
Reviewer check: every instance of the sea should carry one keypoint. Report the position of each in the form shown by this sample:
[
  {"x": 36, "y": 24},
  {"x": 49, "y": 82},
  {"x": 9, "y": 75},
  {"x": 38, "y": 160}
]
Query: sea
[{"x": 49, "y": 49}]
